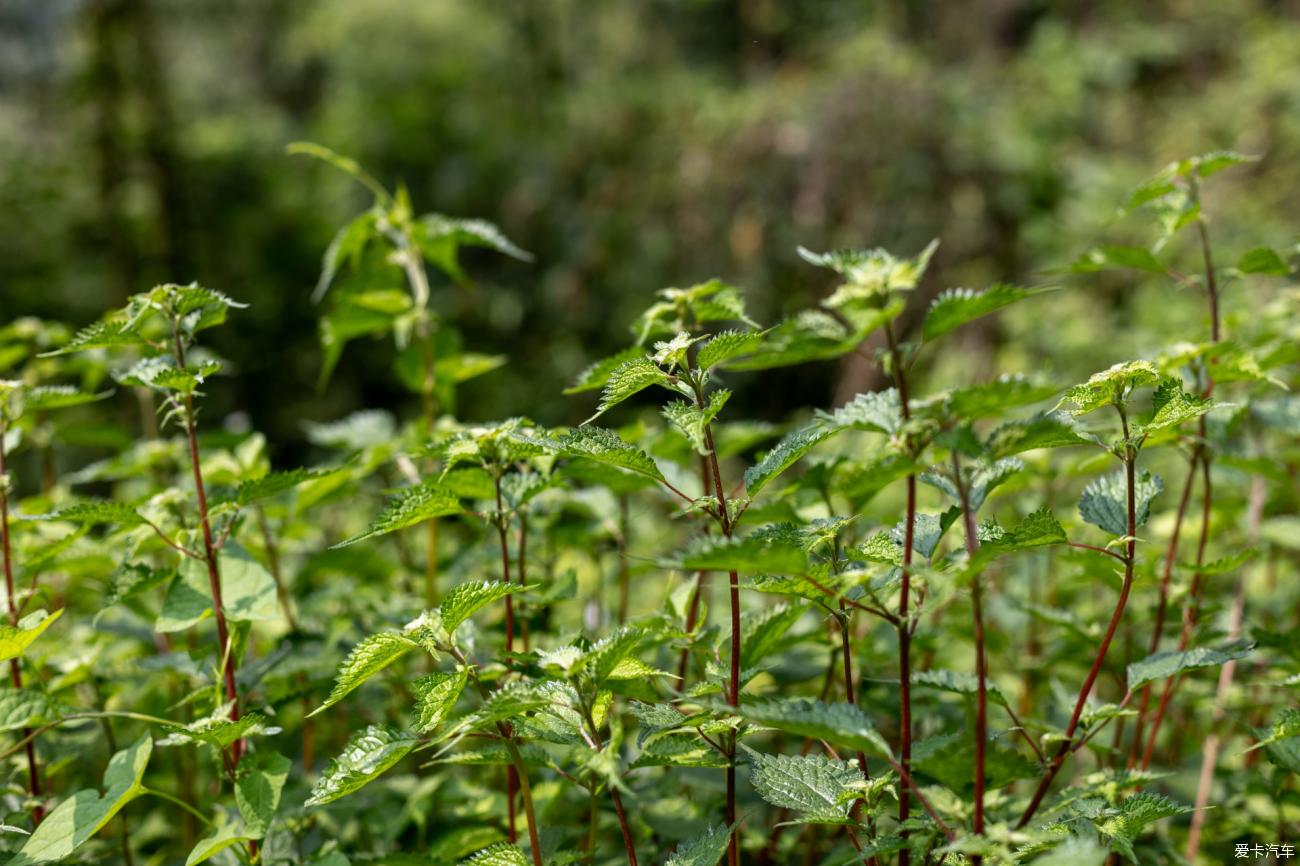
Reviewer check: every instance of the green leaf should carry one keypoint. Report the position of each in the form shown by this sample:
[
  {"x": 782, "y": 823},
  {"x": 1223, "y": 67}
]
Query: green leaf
[
  {"x": 875, "y": 411},
  {"x": 955, "y": 307},
  {"x": 869, "y": 273},
  {"x": 816, "y": 335},
  {"x": 224, "y": 834},
  {"x": 750, "y": 554},
  {"x": 435, "y": 696},
  {"x": 86, "y": 812},
  {"x": 161, "y": 374},
  {"x": 258, "y": 787},
  {"x": 605, "y": 657},
  {"x": 1104, "y": 502},
  {"x": 762, "y": 632},
  {"x": 247, "y": 592},
  {"x": 1045, "y": 430},
  {"x": 217, "y": 730},
  {"x": 843, "y": 724},
  {"x": 467, "y": 598},
  {"x": 366, "y": 659},
  {"x": 997, "y": 395},
  {"x": 693, "y": 422},
  {"x": 500, "y": 854},
  {"x": 1262, "y": 260},
  {"x": 100, "y": 335},
  {"x": 725, "y": 345},
  {"x": 1111, "y": 385},
  {"x": 605, "y": 446},
  {"x": 441, "y": 237},
  {"x": 410, "y": 506},
  {"x": 1168, "y": 663},
  {"x": 274, "y": 483},
  {"x": 628, "y": 379},
  {"x": 705, "y": 849},
  {"x": 958, "y": 683},
  {"x": 1074, "y": 851},
  {"x": 367, "y": 754},
  {"x": 598, "y": 373},
  {"x": 48, "y": 397},
  {"x": 1173, "y": 406},
  {"x": 1036, "y": 530},
  {"x": 785, "y": 454},
  {"x": 1133, "y": 816},
  {"x": 1117, "y": 257},
  {"x": 819, "y": 788},
  {"x": 22, "y": 708},
  {"x": 14, "y": 640},
  {"x": 345, "y": 247},
  {"x": 95, "y": 513}
]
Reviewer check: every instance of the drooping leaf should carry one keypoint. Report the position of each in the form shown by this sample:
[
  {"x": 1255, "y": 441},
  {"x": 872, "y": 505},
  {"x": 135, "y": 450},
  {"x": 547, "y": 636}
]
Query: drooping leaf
[
  {"x": 224, "y": 834},
  {"x": 605, "y": 446},
  {"x": 597, "y": 374},
  {"x": 85, "y": 813},
  {"x": 96, "y": 513},
  {"x": 366, "y": 659},
  {"x": 409, "y": 507},
  {"x": 725, "y": 345},
  {"x": 843, "y": 724},
  {"x": 274, "y": 483},
  {"x": 1168, "y": 663},
  {"x": 955, "y": 307},
  {"x": 1104, "y": 502},
  {"x": 785, "y": 454},
  {"x": 876, "y": 411},
  {"x": 628, "y": 379},
  {"x": 367, "y": 754},
  {"x": 500, "y": 854}
]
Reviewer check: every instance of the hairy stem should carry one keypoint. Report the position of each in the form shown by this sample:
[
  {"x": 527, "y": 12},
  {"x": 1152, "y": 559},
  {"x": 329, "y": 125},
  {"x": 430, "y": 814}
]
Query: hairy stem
[
  {"x": 15, "y": 669},
  {"x": 981, "y": 671},
  {"x": 1125, "y": 588}
]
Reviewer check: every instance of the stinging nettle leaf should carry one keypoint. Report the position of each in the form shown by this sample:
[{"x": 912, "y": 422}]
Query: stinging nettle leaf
[
  {"x": 818, "y": 787},
  {"x": 15, "y": 639},
  {"x": 956, "y": 307},
  {"x": 750, "y": 554},
  {"x": 409, "y": 507},
  {"x": 725, "y": 345},
  {"x": 1168, "y": 663},
  {"x": 705, "y": 849},
  {"x": 605, "y": 446},
  {"x": 597, "y": 374},
  {"x": 843, "y": 724},
  {"x": 367, "y": 754},
  {"x": 436, "y": 696},
  {"x": 366, "y": 659},
  {"x": 628, "y": 379},
  {"x": 467, "y": 598},
  {"x": 257, "y": 790},
  {"x": 1104, "y": 502},
  {"x": 785, "y": 454},
  {"x": 500, "y": 854},
  {"x": 1111, "y": 385}
]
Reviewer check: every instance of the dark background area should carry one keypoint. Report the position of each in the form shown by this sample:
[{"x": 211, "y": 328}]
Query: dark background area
[{"x": 629, "y": 146}]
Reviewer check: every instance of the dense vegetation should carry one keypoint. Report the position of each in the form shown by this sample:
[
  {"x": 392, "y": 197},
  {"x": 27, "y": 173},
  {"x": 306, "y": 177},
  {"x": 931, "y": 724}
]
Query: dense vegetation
[{"x": 882, "y": 632}]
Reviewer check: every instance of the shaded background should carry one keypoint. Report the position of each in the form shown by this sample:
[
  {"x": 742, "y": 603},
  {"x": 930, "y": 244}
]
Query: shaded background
[{"x": 629, "y": 146}]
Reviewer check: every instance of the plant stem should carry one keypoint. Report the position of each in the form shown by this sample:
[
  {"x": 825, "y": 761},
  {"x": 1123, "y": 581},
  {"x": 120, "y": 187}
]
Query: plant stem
[
  {"x": 15, "y": 669},
  {"x": 210, "y": 555},
  {"x": 981, "y": 671},
  {"x": 904, "y": 616},
  {"x": 512, "y": 772},
  {"x": 624, "y": 567},
  {"x": 1100, "y": 658},
  {"x": 701, "y": 579}
]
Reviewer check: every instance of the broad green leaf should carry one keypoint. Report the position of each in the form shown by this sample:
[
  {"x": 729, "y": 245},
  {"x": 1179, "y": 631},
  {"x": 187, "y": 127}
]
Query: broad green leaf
[
  {"x": 1117, "y": 257},
  {"x": 956, "y": 307},
  {"x": 762, "y": 632},
  {"x": 1168, "y": 663},
  {"x": 217, "y": 730},
  {"x": 1111, "y": 385},
  {"x": 223, "y": 835},
  {"x": 605, "y": 446},
  {"x": 367, "y": 754},
  {"x": 160, "y": 373},
  {"x": 724, "y": 346},
  {"x": 500, "y": 854},
  {"x": 869, "y": 273},
  {"x": 509, "y": 702},
  {"x": 1133, "y": 815},
  {"x": 435, "y": 696},
  {"x": 1104, "y": 502},
  {"x": 750, "y": 554},
  {"x": 1173, "y": 406},
  {"x": 1262, "y": 260},
  {"x": 95, "y": 513},
  {"x": 467, "y": 598},
  {"x": 843, "y": 724},
  {"x": 1045, "y": 430},
  {"x": 876, "y": 411},
  {"x": 785, "y": 454},
  {"x": 1037, "y": 529},
  {"x": 1074, "y": 851},
  {"x": 409, "y": 507},
  {"x": 597, "y": 374},
  {"x": 816, "y": 335},
  {"x": 21, "y": 708},
  {"x": 441, "y": 237},
  {"x": 47, "y": 397},
  {"x": 628, "y": 379},
  {"x": 258, "y": 786},
  {"x": 14, "y": 640},
  {"x": 705, "y": 849},
  {"x": 101, "y": 335},
  {"x": 994, "y": 397},
  {"x": 605, "y": 657},
  {"x": 958, "y": 683},
  {"x": 247, "y": 592},
  {"x": 86, "y": 812},
  {"x": 275, "y": 483},
  {"x": 366, "y": 659},
  {"x": 693, "y": 422},
  {"x": 950, "y": 759},
  {"x": 819, "y": 788}
]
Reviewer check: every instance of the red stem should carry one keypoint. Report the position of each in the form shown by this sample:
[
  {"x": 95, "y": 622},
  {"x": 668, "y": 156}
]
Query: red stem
[{"x": 981, "y": 671}]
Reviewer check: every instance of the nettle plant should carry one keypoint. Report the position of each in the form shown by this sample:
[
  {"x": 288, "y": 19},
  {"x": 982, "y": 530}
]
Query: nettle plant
[{"x": 876, "y": 635}]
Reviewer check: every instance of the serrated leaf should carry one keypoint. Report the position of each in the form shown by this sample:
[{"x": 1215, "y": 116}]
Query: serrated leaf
[
  {"x": 1104, "y": 502},
  {"x": 44, "y": 398},
  {"x": 15, "y": 639},
  {"x": 604, "y": 658},
  {"x": 367, "y": 754},
  {"x": 21, "y": 708},
  {"x": 409, "y": 507},
  {"x": 1111, "y": 385},
  {"x": 100, "y": 335},
  {"x": 816, "y": 335},
  {"x": 1262, "y": 260},
  {"x": 274, "y": 483},
  {"x": 258, "y": 786},
  {"x": 96, "y": 513},
  {"x": 366, "y": 659},
  {"x": 762, "y": 632},
  {"x": 725, "y": 345},
  {"x": 956, "y": 307},
  {"x": 435, "y": 696},
  {"x": 705, "y": 849},
  {"x": 958, "y": 683},
  {"x": 223, "y": 835},
  {"x": 1134, "y": 815},
  {"x": 749, "y": 554},
  {"x": 628, "y": 379},
  {"x": 1117, "y": 257},
  {"x": 1173, "y": 406},
  {"x": 85, "y": 813},
  {"x": 1045, "y": 430},
  {"x": 1168, "y": 663},
  {"x": 217, "y": 730},
  {"x": 997, "y": 395},
  {"x": 843, "y": 724},
  {"x": 869, "y": 273},
  {"x": 500, "y": 854},
  {"x": 693, "y": 422},
  {"x": 785, "y": 454},
  {"x": 247, "y": 592},
  {"x": 467, "y": 598},
  {"x": 1037, "y": 529},
  {"x": 598, "y": 372},
  {"x": 605, "y": 446},
  {"x": 817, "y": 787},
  {"x": 875, "y": 411}
]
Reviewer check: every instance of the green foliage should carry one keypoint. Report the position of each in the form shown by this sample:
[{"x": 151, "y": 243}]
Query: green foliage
[
  {"x": 817, "y": 788},
  {"x": 1168, "y": 663},
  {"x": 409, "y": 507},
  {"x": 366, "y": 659},
  {"x": 367, "y": 754},
  {"x": 1104, "y": 502},
  {"x": 955, "y": 307}
]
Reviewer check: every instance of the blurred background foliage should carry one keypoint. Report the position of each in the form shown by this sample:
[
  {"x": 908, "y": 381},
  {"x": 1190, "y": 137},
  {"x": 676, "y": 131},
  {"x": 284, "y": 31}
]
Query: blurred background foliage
[{"x": 629, "y": 147}]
